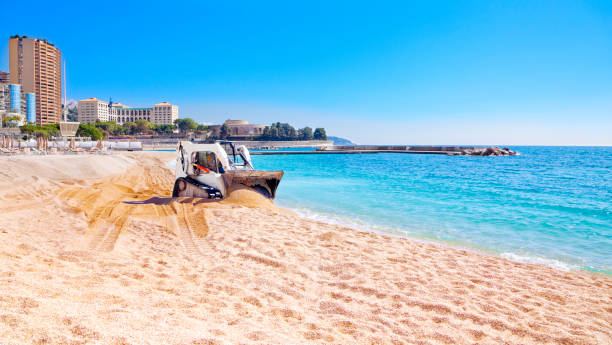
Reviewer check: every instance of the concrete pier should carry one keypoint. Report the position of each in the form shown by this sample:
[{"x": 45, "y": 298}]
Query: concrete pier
[{"x": 315, "y": 152}]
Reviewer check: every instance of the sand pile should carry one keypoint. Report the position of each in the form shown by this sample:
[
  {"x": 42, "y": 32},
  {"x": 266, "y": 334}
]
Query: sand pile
[
  {"x": 110, "y": 204},
  {"x": 79, "y": 265},
  {"x": 248, "y": 197}
]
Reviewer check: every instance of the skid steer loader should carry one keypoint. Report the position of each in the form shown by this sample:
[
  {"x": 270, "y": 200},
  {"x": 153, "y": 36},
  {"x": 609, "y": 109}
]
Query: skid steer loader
[{"x": 213, "y": 170}]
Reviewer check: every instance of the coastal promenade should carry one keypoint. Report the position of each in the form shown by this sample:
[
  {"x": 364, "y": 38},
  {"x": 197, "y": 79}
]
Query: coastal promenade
[{"x": 171, "y": 144}]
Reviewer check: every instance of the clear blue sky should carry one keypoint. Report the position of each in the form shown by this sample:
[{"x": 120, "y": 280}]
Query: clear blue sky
[{"x": 450, "y": 72}]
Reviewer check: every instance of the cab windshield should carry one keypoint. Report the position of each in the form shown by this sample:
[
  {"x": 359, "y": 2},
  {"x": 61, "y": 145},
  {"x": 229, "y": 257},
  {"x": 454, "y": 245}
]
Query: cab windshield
[{"x": 205, "y": 159}]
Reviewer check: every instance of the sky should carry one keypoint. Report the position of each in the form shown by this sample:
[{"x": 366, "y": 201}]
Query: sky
[{"x": 376, "y": 72}]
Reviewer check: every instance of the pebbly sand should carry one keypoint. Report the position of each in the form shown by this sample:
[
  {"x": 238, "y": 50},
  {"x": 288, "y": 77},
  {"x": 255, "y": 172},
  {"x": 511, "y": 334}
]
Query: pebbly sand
[{"x": 79, "y": 266}]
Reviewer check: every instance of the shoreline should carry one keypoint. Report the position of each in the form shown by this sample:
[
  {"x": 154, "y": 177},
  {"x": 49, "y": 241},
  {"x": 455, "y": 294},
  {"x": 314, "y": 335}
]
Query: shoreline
[
  {"x": 448, "y": 243},
  {"x": 245, "y": 270}
]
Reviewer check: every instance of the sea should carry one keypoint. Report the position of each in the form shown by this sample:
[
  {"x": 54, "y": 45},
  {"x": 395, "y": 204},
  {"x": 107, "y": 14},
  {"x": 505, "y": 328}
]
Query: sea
[{"x": 548, "y": 205}]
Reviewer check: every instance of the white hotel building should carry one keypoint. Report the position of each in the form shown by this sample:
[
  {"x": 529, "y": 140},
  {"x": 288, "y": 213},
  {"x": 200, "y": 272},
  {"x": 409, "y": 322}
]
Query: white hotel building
[{"x": 92, "y": 110}]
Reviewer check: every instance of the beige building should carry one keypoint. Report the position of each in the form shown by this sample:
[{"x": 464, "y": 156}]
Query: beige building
[
  {"x": 239, "y": 128},
  {"x": 36, "y": 65},
  {"x": 164, "y": 113},
  {"x": 92, "y": 110}
]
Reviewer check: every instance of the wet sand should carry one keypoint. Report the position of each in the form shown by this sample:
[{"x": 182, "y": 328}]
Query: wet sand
[{"x": 78, "y": 265}]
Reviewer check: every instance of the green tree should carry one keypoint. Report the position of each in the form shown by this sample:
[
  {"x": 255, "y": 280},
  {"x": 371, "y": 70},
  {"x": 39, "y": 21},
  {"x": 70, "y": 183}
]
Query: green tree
[
  {"x": 108, "y": 128},
  {"x": 186, "y": 125},
  {"x": 224, "y": 132},
  {"x": 279, "y": 131},
  {"x": 319, "y": 134},
  {"x": 305, "y": 133},
  {"x": 143, "y": 127},
  {"x": 28, "y": 129},
  {"x": 52, "y": 129},
  {"x": 164, "y": 129},
  {"x": 129, "y": 128},
  {"x": 41, "y": 133},
  {"x": 201, "y": 128},
  {"x": 37, "y": 131},
  {"x": 274, "y": 133},
  {"x": 9, "y": 121},
  {"x": 291, "y": 133},
  {"x": 91, "y": 131}
]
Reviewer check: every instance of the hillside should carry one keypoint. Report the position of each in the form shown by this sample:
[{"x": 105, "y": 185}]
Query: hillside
[{"x": 341, "y": 141}]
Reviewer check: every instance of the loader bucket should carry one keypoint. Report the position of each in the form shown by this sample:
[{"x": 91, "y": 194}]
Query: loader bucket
[{"x": 265, "y": 182}]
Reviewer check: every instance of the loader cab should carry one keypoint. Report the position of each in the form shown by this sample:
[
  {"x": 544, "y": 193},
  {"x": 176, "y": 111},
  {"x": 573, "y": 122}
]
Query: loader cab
[
  {"x": 238, "y": 156},
  {"x": 203, "y": 162},
  {"x": 239, "y": 163}
]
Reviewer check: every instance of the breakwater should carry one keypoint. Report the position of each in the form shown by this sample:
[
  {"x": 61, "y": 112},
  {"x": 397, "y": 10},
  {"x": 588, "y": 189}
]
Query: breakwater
[{"x": 362, "y": 149}]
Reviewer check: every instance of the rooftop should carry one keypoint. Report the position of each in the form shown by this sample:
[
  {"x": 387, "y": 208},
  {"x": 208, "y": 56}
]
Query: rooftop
[{"x": 35, "y": 39}]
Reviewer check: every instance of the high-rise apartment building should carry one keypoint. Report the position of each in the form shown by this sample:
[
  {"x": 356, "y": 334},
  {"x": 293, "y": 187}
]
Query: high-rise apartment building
[
  {"x": 5, "y": 101},
  {"x": 15, "y": 98},
  {"x": 5, "y": 96},
  {"x": 15, "y": 103},
  {"x": 36, "y": 65},
  {"x": 31, "y": 107},
  {"x": 4, "y": 77}
]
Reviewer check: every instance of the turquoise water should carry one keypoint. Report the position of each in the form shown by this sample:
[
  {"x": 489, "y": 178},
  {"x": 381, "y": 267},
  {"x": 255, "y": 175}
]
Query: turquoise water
[{"x": 550, "y": 205}]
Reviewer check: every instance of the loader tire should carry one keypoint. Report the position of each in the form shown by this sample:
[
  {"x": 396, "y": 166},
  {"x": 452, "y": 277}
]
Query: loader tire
[{"x": 179, "y": 186}]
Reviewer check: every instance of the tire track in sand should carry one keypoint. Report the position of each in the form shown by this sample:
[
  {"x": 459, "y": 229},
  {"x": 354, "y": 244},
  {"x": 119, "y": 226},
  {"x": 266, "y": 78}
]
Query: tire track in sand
[
  {"x": 185, "y": 227},
  {"x": 114, "y": 220},
  {"x": 108, "y": 216}
]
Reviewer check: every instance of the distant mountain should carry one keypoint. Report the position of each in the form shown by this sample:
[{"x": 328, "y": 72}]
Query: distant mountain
[{"x": 341, "y": 141}]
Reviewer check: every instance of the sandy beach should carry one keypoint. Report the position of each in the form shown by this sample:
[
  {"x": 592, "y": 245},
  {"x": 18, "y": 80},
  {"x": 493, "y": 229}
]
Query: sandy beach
[{"x": 80, "y": 266}]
